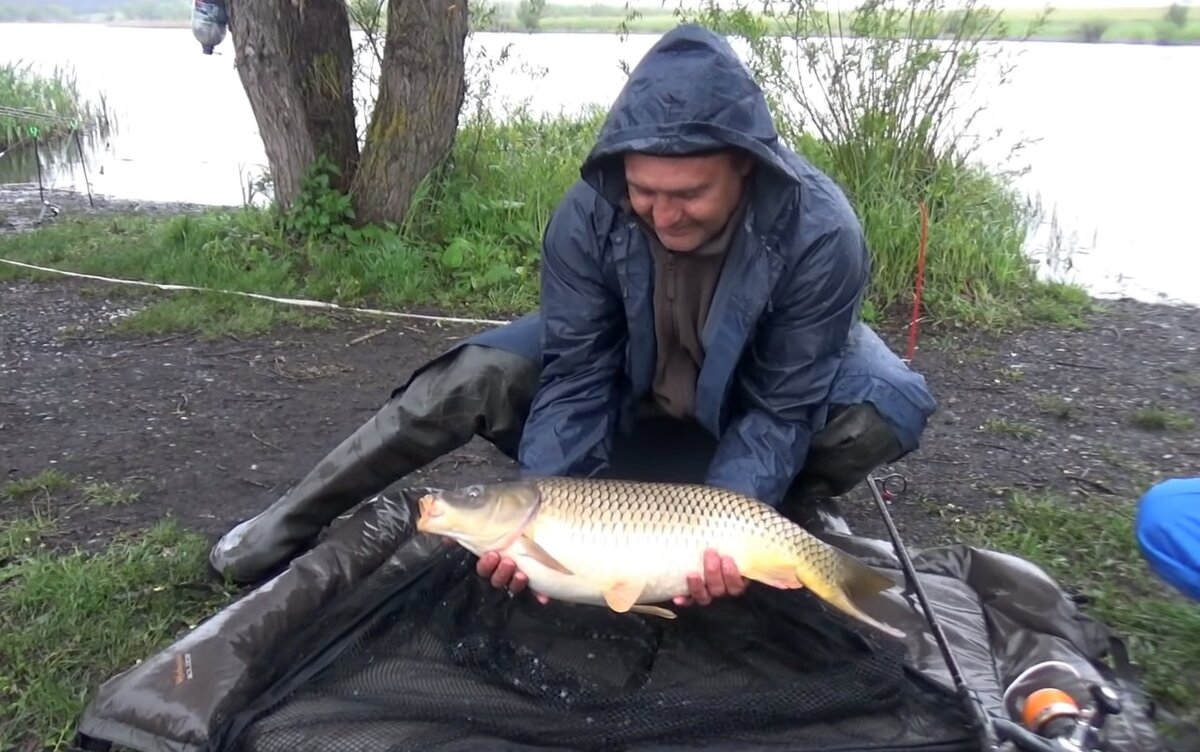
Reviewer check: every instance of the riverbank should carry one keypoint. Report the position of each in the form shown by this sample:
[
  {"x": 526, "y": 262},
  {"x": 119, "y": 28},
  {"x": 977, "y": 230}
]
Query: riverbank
[
  {"x": 1099, "y": 25},
  {"x": 130, "y": 451}
]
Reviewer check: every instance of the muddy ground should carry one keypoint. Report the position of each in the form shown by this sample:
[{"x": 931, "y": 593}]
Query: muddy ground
[
  {"x": 25, "y": 206},
  {"x": 213, "y": 431}
]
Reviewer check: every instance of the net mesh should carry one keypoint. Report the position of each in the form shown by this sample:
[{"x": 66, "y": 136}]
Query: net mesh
[{"x": 443, "y": 661}]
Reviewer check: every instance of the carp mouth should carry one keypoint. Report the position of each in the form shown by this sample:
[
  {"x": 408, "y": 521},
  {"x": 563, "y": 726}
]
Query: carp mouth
[
  {"x": 479, "y": 517},
  {"x": 428, "y": 507}
]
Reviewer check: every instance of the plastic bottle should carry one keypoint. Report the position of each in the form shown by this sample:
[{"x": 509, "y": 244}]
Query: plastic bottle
[{"x": 210, "y": 23}]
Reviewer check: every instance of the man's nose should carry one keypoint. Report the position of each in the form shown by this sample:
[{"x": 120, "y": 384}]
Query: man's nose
[{"x": 665, "y": 213}]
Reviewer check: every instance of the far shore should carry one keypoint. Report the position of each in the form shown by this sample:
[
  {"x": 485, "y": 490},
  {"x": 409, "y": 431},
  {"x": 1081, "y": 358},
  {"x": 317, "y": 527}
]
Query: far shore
[{"x": 1147, "y": 26}]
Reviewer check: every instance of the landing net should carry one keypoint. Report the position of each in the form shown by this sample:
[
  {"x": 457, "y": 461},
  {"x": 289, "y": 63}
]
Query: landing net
[{"x": 441, "y": 661}]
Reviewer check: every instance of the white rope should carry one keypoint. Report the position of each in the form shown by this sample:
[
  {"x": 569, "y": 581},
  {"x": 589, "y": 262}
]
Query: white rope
[{"x": 259, "y": 296}]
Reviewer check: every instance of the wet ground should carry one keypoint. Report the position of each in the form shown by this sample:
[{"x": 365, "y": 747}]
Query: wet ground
[
  {"x": 212, "y": 431},
  {"x": 25, "y": 206}
]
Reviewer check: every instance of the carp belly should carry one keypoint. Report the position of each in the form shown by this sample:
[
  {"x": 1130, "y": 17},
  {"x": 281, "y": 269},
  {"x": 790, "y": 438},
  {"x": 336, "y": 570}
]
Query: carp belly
[{"x": 615, "y": 564}]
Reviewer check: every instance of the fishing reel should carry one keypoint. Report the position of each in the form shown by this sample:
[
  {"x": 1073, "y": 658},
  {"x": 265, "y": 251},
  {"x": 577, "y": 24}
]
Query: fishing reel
[
  {"x": 1047, "y": 715},
  {"x": 1043, "y": 703}
]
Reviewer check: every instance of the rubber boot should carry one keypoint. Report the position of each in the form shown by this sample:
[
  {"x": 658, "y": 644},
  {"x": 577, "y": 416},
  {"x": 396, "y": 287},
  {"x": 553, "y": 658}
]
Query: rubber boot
[
  {"x": 470, "y": 391},
  {"x": 854, "y": 442}
]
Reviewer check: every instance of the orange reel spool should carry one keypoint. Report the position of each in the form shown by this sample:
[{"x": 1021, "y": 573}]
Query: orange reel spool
[{"x": 1045, "y": 705}]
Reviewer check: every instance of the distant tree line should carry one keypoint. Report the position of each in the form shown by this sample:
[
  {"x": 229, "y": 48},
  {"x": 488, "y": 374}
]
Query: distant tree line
[
  {"x": 94, "y": 10},
  {"x": 508, "y": 15}
]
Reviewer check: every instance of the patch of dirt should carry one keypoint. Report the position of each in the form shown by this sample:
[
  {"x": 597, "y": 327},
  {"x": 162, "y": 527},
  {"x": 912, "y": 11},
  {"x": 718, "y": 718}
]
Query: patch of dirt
[
  {"x": 208, "y": 431},
  {"x": 1098, "y": 412},
  {"x": 214, "y": 431}
]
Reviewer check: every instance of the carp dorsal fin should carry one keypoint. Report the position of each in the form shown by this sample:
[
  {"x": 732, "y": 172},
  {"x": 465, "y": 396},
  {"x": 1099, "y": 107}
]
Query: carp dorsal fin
[
  {"x": 621, "y": 596},
  {"x": 540, "y": 555}
]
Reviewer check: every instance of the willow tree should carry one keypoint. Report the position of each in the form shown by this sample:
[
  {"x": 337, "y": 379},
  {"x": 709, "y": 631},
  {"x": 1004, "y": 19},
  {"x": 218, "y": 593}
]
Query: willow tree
[{"x": 296, "y": 63}]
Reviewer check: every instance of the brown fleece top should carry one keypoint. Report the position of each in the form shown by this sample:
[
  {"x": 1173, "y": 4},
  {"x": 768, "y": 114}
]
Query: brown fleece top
[{"x": 683, "y": 291}]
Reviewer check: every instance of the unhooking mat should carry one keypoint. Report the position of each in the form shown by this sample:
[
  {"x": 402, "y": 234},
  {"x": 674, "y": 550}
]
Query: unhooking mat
[{"x": 382, "y": 639}]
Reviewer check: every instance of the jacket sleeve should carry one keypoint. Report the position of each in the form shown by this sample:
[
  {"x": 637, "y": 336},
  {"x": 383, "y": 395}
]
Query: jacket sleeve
[
  {"x": 575, "y": 411},
  {"x": 786, "y": 373}
]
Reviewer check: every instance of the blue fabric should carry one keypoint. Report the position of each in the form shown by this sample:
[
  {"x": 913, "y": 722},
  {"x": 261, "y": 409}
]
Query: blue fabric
[
  {"x": 782, "y": 339},
  {"x": 1168, "y": 533}
]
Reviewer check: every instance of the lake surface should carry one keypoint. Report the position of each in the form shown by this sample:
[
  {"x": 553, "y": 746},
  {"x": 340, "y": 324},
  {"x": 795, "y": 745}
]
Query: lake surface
[{"x": 1117, "y": 160}]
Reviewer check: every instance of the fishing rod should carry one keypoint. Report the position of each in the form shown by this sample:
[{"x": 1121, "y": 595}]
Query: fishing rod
[
  {"x": 20, "y": 113},
  {"x": 1053, "y": 721},
  {"x": 26, "y": 114}
]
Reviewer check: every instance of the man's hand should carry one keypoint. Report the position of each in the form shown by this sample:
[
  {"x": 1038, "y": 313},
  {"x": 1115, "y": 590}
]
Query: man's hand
[
  {"x": 502, "y": 572},
  {"x": 720, "y": 578}
]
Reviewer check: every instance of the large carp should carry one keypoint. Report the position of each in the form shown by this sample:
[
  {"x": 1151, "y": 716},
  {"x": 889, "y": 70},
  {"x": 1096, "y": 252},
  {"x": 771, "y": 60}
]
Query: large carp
[{"x": 628, "y": 544}]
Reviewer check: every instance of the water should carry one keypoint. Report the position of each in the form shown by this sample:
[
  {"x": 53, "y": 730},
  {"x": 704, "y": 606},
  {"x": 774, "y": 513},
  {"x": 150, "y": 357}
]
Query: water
[{"x": 1117, "y": 158}]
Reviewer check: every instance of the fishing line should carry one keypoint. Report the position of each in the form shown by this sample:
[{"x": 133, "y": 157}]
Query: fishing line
[{"x": 259, "y": 296}]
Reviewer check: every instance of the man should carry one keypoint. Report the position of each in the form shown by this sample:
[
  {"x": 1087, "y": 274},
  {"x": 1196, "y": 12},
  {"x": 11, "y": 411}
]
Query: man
[
  {"x": 1168, "y": 533},
  {"x": 700, "y": 293}
]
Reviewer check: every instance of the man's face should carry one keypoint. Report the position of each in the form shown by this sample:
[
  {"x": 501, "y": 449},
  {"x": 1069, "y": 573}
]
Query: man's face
[{"x": 687, "y": 200}]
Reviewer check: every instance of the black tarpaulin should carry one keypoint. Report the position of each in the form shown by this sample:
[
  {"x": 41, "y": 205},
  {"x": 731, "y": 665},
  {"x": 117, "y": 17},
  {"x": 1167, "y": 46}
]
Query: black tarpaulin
[{"x": 379, "y": 639}]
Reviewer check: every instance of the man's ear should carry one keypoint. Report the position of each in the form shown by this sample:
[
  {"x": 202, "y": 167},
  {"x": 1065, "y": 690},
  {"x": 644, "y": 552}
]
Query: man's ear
[{"x": 745, "y": 163}]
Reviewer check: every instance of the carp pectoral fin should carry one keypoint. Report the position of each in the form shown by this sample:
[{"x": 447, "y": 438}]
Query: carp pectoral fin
[
  {"x": 654, "y": 611},
  {"x": 538, "y": 554},
  {"x": 621, "y": 596}
]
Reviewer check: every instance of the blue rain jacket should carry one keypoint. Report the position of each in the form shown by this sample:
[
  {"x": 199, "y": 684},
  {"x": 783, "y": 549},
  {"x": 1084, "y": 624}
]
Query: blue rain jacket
[{"x": 789, "y": 293}]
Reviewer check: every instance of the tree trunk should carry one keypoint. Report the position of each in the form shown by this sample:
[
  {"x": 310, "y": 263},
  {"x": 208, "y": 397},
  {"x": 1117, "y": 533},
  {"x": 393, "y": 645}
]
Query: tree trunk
[
  {"x": 415, "y": 118},
  {"x": 295, "y": 59}
]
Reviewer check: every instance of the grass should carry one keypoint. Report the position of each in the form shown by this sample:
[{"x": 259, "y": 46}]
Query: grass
[
  {"x": 473, "y": 240},
  {"x": 471, "y": 244},
  {"x": 70, "y": 619},
  {"x": 1010, "y": 428},
  {"x": 68, "y": 622},
  {"x": 1158, "y": 418},
  {"x": 1061, "y": 408},
  {"x": 46, "y": 482},
  {"x": 1090, "y": 546},
  {"x": 44, "y": 488},
  {"x": 52, "y": 104},
  {"x": 216, "y": 315}
]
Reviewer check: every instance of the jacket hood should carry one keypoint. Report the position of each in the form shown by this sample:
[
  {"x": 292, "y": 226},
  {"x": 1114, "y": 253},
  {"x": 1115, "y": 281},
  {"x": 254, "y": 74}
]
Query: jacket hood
[{"x": 690, "y": 93}]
